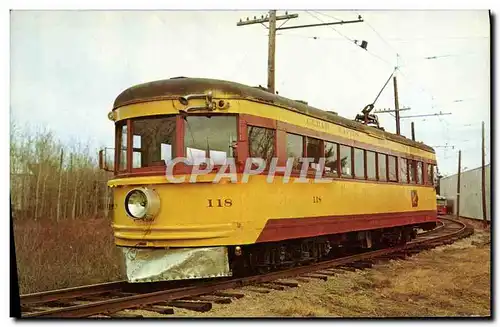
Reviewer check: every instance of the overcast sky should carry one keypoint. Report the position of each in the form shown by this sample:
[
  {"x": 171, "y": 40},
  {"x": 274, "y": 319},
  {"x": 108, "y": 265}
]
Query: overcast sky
[{"x": 67, "y": 67}]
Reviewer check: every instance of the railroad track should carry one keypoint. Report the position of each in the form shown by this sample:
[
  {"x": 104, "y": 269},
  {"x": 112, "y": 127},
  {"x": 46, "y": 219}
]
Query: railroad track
[{"x": 111, "y": 299}]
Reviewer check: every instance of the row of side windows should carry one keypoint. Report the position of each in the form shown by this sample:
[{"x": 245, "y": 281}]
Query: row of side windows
[{"x": 340, "y": 160}]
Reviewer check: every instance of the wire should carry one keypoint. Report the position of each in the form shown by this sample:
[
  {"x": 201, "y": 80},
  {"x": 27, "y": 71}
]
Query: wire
[
  {"x": 320, "y": 13},
  {"x": 351, "y": 40}
]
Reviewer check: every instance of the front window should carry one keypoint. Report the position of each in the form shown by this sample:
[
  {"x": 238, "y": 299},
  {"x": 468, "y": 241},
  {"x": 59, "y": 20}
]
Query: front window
[
  {"x": 153, "y": 141},
  {"x": 209, "y": 137}
]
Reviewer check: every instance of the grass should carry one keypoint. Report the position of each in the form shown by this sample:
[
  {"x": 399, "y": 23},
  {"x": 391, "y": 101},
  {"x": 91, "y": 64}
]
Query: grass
[
  {"x": 70, "y": 253},
  {"x": 448, "y": 281}
]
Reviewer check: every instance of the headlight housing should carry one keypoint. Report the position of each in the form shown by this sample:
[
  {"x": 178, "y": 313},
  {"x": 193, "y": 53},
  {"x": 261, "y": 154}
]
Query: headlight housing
[{"x": 142, "y": 203}]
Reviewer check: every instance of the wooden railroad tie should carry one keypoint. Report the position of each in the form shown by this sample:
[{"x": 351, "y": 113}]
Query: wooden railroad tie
[
  {"x": 227, "y": 294},
  {"x": 286, "y": 283},
  {"x": 125, "y": 315},
  {"x": 257, "y": 290},
  {"x": 271, "y": 286},
  {"x": 159, "y": 309},
  {"x": 302, "y": 280},
  {"x": 208, "y": 298},
  {"x": 316, "y": 276},
  {"x": 195, "y": 306}
]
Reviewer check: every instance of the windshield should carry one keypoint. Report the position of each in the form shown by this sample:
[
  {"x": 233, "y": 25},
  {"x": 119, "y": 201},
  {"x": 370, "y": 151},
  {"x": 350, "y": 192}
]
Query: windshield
[
  {"x": 209, "y": 137},
  {"x": 153, "y": 141}
]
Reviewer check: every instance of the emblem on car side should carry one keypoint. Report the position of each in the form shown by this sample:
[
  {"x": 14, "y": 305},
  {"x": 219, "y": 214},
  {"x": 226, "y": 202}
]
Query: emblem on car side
[{"x": 414, "y": 198}]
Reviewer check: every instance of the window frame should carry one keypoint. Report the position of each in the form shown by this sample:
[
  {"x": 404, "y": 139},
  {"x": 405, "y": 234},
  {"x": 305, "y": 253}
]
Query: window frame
[
  {"x": 396, "y": 180},
  {"x": 338, "y": 174},
  {"x": 386, "y": 167},
  {"x": 375, "y": 165},
  {"x": 354, "y": 162},
  {"x": 274, "y": 152},
  {"x": 420, "y": 178},
  {"x": 137, "y": 150},
  {"x": 299, "y": 163},
  {"x": 351, "y": 162},
  {"x": 321, "y": 144}
]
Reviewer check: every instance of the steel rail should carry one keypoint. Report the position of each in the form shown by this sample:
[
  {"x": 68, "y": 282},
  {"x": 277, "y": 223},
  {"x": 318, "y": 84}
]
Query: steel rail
[
  {"x": 140, "y": 300},
  {"x": 72, "y": 292}
]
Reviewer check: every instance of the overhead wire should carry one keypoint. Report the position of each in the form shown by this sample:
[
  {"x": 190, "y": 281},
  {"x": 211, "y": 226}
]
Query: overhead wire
[
  {"x": 398, "y": 58},
  {"x": 350, "y": 39}
]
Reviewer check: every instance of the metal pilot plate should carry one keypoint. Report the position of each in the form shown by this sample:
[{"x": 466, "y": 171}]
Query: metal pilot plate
[{"x": 150, "y": 265}]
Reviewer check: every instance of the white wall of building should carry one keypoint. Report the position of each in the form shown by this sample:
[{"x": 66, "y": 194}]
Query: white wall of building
[{"x": 470, "y": 193}]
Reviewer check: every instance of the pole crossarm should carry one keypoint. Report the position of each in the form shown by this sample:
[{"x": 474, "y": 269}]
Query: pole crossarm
[
  {"x": 265, "y": 19},
  {"x": 321, "y": 24},
  {"x": 382, "y": 111}
]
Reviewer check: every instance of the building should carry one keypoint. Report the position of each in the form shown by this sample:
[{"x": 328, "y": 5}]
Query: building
[{"x": 471, "y": 205}]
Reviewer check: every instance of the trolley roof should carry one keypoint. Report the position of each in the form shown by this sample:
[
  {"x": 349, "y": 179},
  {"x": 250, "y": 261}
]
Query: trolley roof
[{"x": 179, "y": 86}]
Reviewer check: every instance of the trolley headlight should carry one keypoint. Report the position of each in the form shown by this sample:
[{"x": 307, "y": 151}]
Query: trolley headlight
[{"x": 142, "y": 203}]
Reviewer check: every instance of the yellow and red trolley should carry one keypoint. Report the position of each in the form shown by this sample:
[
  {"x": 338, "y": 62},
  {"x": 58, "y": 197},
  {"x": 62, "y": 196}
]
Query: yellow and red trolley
[{"x": 380, "y": 191}]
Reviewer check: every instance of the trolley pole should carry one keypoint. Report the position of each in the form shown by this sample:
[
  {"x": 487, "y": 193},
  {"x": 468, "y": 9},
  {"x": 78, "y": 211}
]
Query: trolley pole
[
  {"x": 396, "y": 105},
  {"x": 271, "y": 51},
  {"x": 483, "y": 178},
  {"x": 458, "y": 183}
]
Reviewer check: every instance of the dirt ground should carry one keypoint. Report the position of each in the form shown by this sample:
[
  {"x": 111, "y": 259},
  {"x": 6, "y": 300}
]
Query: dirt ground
[{"x": 448, "y": 281}]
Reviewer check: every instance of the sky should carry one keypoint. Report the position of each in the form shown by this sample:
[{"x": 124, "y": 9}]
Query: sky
[{"x": 67, "y": 67}]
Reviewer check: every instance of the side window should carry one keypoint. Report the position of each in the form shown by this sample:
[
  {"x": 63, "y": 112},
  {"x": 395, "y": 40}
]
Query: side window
[
  {"x": 359, "y": 163},
  {"x": 370, "y": 165},
  {"x": 412, "y": 170},
  {"x": 403, "y": 170},
  {"x": 430, "y": 174},
  {"x": 314, "y": 150},
  {"x": 420, "y": 177},
  {"x": 122, "y": 134},
  {"x": 393, "y": 176},
  {"x": 294, "y": 149},
  {"x": 346, "y": 160},
  {"x": 382, "y": 167},
  {"x": 331, "y": 158},
  {"x": 261, "y": 144}
]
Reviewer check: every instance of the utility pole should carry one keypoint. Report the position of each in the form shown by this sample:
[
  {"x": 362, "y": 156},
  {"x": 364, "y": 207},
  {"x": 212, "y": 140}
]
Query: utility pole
[
  {"x": 458, "y": 183},
  {"x": 483, "y": 178},
  {"x": 271, "y": 19},
  {"x": 271, "y": 51},
  {"x": 412, "y": 131},
  {"x": 396, "y": 105}
]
